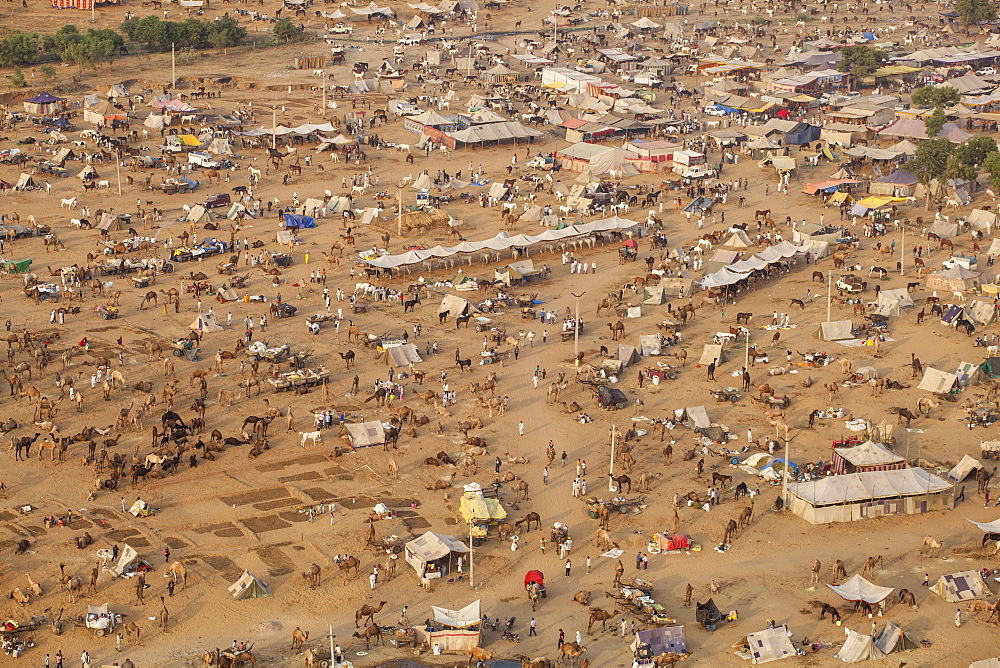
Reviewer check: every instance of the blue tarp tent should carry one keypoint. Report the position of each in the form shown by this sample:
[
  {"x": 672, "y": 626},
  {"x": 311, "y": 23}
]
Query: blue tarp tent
[
  {"x": 700, "y": 204},
  {"x": 803, "y": 134},
  {"x": 301, "y": 222}
]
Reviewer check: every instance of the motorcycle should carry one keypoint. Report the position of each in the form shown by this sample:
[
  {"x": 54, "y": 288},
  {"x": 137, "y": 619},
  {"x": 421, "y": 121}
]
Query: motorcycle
[{"x": 507, "y": 634}]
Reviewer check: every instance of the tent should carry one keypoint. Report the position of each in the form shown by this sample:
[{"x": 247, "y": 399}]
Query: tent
[
  {"x": 295, "y": 220},
  {"x": 953, "y": 280},
  {"x": 856, "y": 496},
  {"x": 649, "y": 344},
  {"x": 677, "y": 287},
  {"x": 205, "y": 322},
  {"x": 403, "y": 355},
  {"x": 111, "y": 222},
  {"x": 455, "y": 306},
  {"x": 937, "y": 381},
  {"x": 461, "y": 632},
  {"x": 838, "y": 330},
  {"x": 866, "y": 457},
  {"x": 198, "y": 215},
  {"x": 770, "y": 645},
  {"x": 893, "y": 639},
  {"x": 433, "y": 548},
  {"x": 249, "y": 586},
  {"x": 890, "y": 302},
  {"x": 961, "y": 586},
  {"x": 470, "y": 615},
  {"x": 712, "y": 352},
  {"x": 697, "y": 416},
  {"x": 859, "y": 647},
  {"x": 986, "y": 663},
  {"x": 126, "y": 560},
  {"x": 980, "y": 312},
  {"x": 738, "y": 239},
  {"x": 964, "y": 468},
  {"x": 25, "y": 182},
  {"x": 365, "y": 434},
  {"x": 220, "y": 146},
  {"x": 628, "y": 355},
  {"x": 969, "y": 374},
  {"x": 654, "y": 295},
  {"x": 474, "y": 506},
  {"x": 860, "y": 589}
]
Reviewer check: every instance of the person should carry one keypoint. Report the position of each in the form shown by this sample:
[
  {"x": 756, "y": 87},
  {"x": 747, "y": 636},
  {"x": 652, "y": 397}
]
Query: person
[
  {"x": 59, "y": 659},
  {"x": 531, "y": 629},
  {"x": 564, "y": 456},
  {"x": 128, "y": 664},
  {"x": 48, "y": 661},
  {"x": 638, "y": 560},
  {"x": 166, "y": 555},
  {"x": 645, "y": 562},
  {"x": 927, "y": 580},
  {"x": 545, "y": 475},
  {"x": 562, "y": 638},
  {"x": 579, "y": 638},
  {"x": 372, "y": 579},
  {"x": 118, "y": 642},
  {"x": 170, "y": 587},
  {"x": 497, "y": 465},
  {"x": 460, "y": 564},
  {"x": 338, "y": 654},
  {"x": 569, "y": 566},
  {"x": 85, "y": 660},
  {"x": 520, "y": 432},
  {"x": 588, "y": 563},
  {"x": 958, "y": 617}
]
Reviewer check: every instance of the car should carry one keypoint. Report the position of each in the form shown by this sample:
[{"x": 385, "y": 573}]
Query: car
[
  {"x": 851, "y": 283},
  {"x": 219, "y": 199},
  {"x": 715, "y": 110},
  {"x": 987, "y": 71},
  {"x": 698, "y": 173},
  {"x": 341, "y": 29},
  {"x": 850, "y": 95},
  {"x": 967, "y": 262}
]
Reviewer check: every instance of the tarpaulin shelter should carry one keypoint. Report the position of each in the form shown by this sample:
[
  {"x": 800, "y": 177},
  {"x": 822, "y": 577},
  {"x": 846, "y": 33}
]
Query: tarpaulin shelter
[
  {"x": 628, "y": 355},
  {"x": 980, "y": 312},
  {"x": 403, "y": 355},
  {"x": 937, "y": 381},
  {"x": 969, "y": 374},
  {"x": 697, "y": 416},
  {"x": 894, "y": 639},
  {"x": 461, "y": 628},
  {"x": 365, "y": 434},
  {"x": 988, "y": 527},
  {"x": 664, "y": 640},
  {"x": 296, "y": 220},
  {"x": 43, "y": 104},
  {"x": 434, "y": 548},
  {"x": 860, "y": 589},
  {"x": 838, "y": 330},
  {"x": 770, "y": 645},
  {"x": 475, "y": 507},
  {"x": 955, "y": 279},
  {"x": 205, "y": 322},
  {"x": 961, "y": 586},
  {"x": 63, "y": 155},
  {"x": 856, "y": 496},
  {"x": 986, "y": 663},
  {"x": 859, "y": 647},
  {"x": 126, "y": 560},
  {"x": 649, "y": 344},
  {"x": 991, "y": 367},
  {"x": 654, "y": 295},
  {"x": 964, "y": 468},
  {"x": 17, "y": 266},
  {"x": 249, "y": 586}
]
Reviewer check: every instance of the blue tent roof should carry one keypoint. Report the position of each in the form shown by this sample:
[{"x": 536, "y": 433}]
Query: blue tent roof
[
  {"x": 45, "y": 98},
  {"x": 295, "y": 220}
]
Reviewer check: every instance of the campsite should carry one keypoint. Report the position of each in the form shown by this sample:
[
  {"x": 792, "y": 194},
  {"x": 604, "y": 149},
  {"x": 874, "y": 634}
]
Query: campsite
[{"x": 497, "y": 334}]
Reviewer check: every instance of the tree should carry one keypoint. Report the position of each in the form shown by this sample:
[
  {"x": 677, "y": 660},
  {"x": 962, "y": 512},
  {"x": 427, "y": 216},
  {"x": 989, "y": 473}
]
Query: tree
[
  {"x": 18, "y": 49},
  {"x": 991, "y": 165},
  {"x": 861, "y": 61},
  {"x": 226, "y": 32},
  {"x": 974, "y": 12},
  {"x": 285, "y": 30},
  {"x": 934, "y": 96},
  {"x": 975, "y": 151},
  {"x": 930, "y": 161},
  {"x": 935, "y": 122},
  {"x": 48, "y": 72},
  {"x": 17, "y": 78}
]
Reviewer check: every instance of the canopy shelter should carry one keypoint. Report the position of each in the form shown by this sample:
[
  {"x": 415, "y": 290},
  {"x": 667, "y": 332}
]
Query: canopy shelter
[
  {"x": 402, "y": 355},
  {"x": 456, "y": 631},
  {"x": 298, "y": 221},
  {"x": 663, "y": 640},
  {"x": 712, "y": 353},
  {"x": 866, "y": 457},
  {"x": 205, "y": 322},
  {"x": 454, "y": 305},
  {"x": 860, "y": 589},
  {"x": 434, "y": 553},
  {"x": 365, "y": 434},
  {"x": 249, "y": 586},
  {"x": 894, "y": 639},
  {"x": 859, "y": 647},
  {"x": 770, "y": 645},
  {"x": 127, "y": 561},
  {"x": 961, "y": 586},
  {"x": 937, "y": 381}
]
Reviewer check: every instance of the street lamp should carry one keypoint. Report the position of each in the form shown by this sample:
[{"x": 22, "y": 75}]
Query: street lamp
[{"x": 576, "y": 330}]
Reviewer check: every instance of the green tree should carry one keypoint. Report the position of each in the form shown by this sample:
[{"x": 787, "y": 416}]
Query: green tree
[
  {"x": 861, "y": 61},
  {"x": 286, "y": 31},
  {"x": 935, "y": 122},
  {"x": 975, "y": 151},
  {"x": 19, "y": 49},
  {"x": 17, "y": 78},
  {"x": 974, "y": 12},
  {"x": 226, "y": 32},
  {"x": 934, "y": 96},
  {"x": 991, "y": 165},
  {"x": 48, "y": 72},
  {"x": 930, "y": 161}
]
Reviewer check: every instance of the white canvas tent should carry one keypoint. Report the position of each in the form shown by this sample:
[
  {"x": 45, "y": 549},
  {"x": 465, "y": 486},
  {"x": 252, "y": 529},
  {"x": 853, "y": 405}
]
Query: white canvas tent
[
  {"x": 649, "y": 344},
  {"x": 25, "y": 182},
  {"x": 770, "y": 645},
  {"x": 712, "y": 352},
  {"x": 859, "y": 647},
  {"x": 980, "y": 312},
  {"x": 697, "y": 416},
  {"x": 937, "y": 381},
  {"x": 461, "y": 631},
  {"x": 365, "y": 434},
  {"x": 205, "y": 322},
  {"x": 891, "y": 302},
  {"x": 249, "y": 586},
  {"x": 431, "y": 547},
  {"x": 961, "y": 586},
  {"x": 198, "y": 214},
  {"x": 470, "y": 615},
  {"x": 628, "y": 355},
  {"x": 654, "y": 295},
  {"x": 677, "y": 287},
  {"x": 738, "y": 239},
  {"x": 964, "y": 468},
  {"x": 455, "y": 306},
  {"x": 860, "y": 589},
  {"x": 403, "y": 355},
  {"x": 838, "y": 330},
  {"x": 126, "y": 560},
  {"x": 894, "y": 639},
  {"x": 110, "y": 222},
  {"x": 969, "y": 374}
]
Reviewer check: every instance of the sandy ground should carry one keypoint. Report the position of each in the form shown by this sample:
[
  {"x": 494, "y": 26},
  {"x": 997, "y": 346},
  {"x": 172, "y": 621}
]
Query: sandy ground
[{"x": 238, "y": 513}]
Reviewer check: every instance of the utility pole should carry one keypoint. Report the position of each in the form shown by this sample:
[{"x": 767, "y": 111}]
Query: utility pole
[
  {"x": 829, "y": 293},
  {"x": 333, "y": 657},
  {"x": 173, "y": 66},
  {"x": 472, "y": 572},
  {"x": 902, "y": 252},
  {"x": 399, "y": 210},
  {"x": 118, "y": 168},
  {"x": 274, "y": 126},
  {"x": 611, "y": 474},
  {"x": 576, "y": 330},
  {"x": 784, "y": 478}
]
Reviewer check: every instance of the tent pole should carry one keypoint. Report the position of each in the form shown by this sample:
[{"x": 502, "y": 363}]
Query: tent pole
[
  {"x": 829, "y": 293},
  {"x": 173, "y": 66},
  {"x": 611, "y": 475},
  {"x": 333, "y": 657},
  {"x": 472, "y": 574},
  {"x": 784, "y": 479},
  {"x": 902, "y": 252}
]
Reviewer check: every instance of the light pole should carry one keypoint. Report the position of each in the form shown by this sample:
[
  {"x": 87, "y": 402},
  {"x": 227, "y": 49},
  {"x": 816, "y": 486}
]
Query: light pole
[
  {"x": 576, "y": 330},
  {"x": 611, "y": 471},
  {"x": 399, "y": 210}
]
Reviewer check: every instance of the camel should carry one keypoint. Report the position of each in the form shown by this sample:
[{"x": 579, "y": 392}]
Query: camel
[
  {"x": 348, "y": 358},
  {"x": 995, "y": 610},
  {"x": 598, "y": 615},
  {"x": 148, "y": 297},
  {"x": 164, "y": 613},
  {"x": 838, "y": 569},
  {"x": 582, "y": 597},
  {"x": 372, "y": 631},
  {"x": 369, "y": 612},
  {"x": 906, "y": 596},
  {"x": 622, "y": 481},
  {"x": 604, "y": 541},
  {"x": 870, "y": 562},
  {"x": 299, "y": 638},
  {"x": 570, "y": 651},
  {"x": 521, "y": 491},
  {"x": 924, "y": 405},
  {"x": 528, "y": 519},
  {"x": 313, "y": 574},
  {"x": 617, "y": 330},
  {"x": 619, "y": 572},
  {"x": 929, "y": 545},
  {"x": 347, "y": 564},
  {"x": 233, "y": 659},
  {"x": 814, "y": 571},
  {"x": 132, "y": 632},
  {"x": 480, "y": 655}
]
